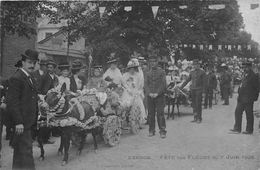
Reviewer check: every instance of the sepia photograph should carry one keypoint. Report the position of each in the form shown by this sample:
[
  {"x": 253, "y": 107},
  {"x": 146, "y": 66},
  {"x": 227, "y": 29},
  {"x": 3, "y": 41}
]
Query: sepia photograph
[{"x": 130, "y": 85}]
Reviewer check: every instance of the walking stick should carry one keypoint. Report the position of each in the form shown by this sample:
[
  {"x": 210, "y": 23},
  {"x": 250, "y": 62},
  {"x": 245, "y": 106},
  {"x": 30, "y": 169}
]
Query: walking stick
[{"x": 89, "y": 65}]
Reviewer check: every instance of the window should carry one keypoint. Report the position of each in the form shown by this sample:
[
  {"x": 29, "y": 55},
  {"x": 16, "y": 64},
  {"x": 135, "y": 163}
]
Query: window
[{"x": 48, "y": 34}]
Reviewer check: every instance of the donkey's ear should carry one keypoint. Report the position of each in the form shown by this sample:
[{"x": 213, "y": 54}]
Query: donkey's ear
[{"x": 63, "y": 88}]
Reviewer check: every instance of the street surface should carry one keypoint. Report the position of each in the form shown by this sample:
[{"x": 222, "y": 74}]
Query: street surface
[{"x": 188, "y": 146}]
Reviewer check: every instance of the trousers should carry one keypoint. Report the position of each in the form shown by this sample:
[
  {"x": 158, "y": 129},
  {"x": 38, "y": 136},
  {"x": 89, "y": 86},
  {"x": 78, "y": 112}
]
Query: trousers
[
  {"x": 156, "y": 107},
  {"x": 208, "y": 97},
  {"x": 248, "y": 108},
  {"x": 23, "y": 154},
  {"x": 226, "y": 92},
  {"x": 196, "y": 97}
]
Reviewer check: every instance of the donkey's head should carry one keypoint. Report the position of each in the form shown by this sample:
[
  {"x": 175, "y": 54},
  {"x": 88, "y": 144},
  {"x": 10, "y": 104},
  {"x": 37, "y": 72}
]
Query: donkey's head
[{"x": 54, "y": 95}]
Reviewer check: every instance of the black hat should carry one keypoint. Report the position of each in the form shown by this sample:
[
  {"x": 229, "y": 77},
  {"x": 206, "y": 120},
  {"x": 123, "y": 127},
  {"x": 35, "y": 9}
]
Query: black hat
[
  {"x": 112, "y": 60},
  {"x": 63, "y": 66},
  {"x": 97, "y": 66},
  {"x": 247, "y": 64},
  {"x": 77, "y": 65},
  {"x": 19, "y": 64},
  {"x": 31, "y": 55},
  {"x": 51, "y": 62}
]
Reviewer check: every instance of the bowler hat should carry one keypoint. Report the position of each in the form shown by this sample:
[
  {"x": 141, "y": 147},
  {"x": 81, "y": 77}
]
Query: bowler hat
[
  {"x": 63, "y": 66},
  {"x": 97, "y": 66},
  {"x": 30, "y": 54},
  {"x": 51, "y": 62},
  {"x": 19, "y": 64},
  {"x": 112, "y": 60}
]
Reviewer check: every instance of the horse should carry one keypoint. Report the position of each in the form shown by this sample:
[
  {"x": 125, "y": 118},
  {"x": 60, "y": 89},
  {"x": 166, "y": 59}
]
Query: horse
[{"x": 63, "y": 111}]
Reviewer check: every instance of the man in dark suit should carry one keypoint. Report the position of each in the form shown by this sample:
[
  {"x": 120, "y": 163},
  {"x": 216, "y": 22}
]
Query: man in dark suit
[
  {"x": 22, "y": 107},
  {"x": 38, "y": 75},
  {"x": 225, "y": 83},
  {"x": 211, "y": 84},
  {"x": 247, "y": 94},
  {"x": 50, "y": 80}
]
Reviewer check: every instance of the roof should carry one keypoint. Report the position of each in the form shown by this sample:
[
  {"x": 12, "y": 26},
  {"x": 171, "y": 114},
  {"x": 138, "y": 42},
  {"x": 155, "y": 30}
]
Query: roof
[
  {"x": 50, "y": 37},
  {"x": 61, "y": 52}
]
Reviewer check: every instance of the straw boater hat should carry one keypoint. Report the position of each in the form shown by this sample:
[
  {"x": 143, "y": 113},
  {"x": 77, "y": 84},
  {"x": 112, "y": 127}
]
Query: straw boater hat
[
  {"x": 51, "y": 62},
  {"x": 63, "y": 66},
  {"x": 31, "y": 55},
  {"x": 133, "y": 63},
  {"x": 77, "y": 65},
  {"x": 98, "y": 67}
]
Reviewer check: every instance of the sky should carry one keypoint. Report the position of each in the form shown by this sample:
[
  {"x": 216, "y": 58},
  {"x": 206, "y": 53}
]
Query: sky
[{"x": 251, "y": 18}]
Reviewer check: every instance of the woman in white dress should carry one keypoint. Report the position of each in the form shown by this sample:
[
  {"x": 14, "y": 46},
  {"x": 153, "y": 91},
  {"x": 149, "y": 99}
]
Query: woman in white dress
[
  {"x": 113, "y": 74},
  {"x": 65, "y": 73},
  {"x": 133, "y": 94}
]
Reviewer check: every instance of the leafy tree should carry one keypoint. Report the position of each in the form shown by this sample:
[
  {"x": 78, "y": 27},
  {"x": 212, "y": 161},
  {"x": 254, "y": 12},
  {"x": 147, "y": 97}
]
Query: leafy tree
[{"x": 19, "y": 17}]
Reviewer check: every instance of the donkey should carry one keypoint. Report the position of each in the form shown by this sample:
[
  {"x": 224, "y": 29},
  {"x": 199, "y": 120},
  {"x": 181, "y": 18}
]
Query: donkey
[
  {"x": 53, "y": 101},
  {"x": 173, "y": 98}
]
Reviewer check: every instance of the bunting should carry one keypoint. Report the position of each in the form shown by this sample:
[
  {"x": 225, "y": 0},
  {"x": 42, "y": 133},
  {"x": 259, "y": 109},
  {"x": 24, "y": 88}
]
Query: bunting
[
  {"x": 229, "y": 47},
  {"x": 155, "y": 10}
]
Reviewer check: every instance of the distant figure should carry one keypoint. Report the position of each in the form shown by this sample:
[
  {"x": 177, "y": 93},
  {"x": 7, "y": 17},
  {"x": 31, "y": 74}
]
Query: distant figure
[
  {"x": 211, "y": 85},
  {"x": 225, "y": 84}
]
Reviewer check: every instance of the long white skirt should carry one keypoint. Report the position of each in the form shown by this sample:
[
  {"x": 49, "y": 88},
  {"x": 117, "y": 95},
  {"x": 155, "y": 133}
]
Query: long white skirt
[{"x": 135, "y": 101}]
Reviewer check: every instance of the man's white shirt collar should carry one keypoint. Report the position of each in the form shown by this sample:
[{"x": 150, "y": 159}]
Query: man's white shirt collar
[
  {"x": 25, "y": 72},
  {"x": 52, "y": 76}
]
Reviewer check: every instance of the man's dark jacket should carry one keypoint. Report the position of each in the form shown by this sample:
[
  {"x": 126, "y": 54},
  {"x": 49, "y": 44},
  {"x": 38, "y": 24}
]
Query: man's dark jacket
[
  {"x": 49, "y": 83},
  {"x": 73, "y": 84},
  {"x": 225, "y": 80},
  {"x": 211, "y": 81},
  {"x": 248, "y": 91},
  {"x": 22, "y": 100},
  {"x": 39, "y": 80}
]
